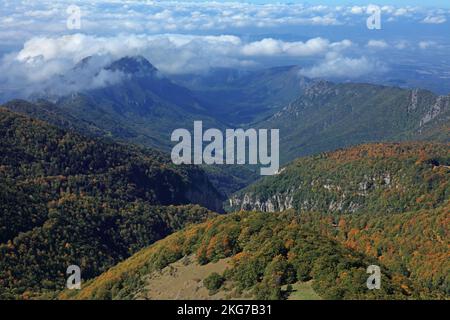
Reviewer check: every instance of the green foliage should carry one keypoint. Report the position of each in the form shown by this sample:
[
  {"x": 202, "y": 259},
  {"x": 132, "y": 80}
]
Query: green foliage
[
  {"x": 268, "y": 289},
  {"x": 213, "y": 282},
  {"x": 151, "y": 129},
  {"x": 390, "y": 178},
  {"x": 329, "y": 116},
  {"x": 387, "y": 201},
  {"x": 413, "y": 244},
  {"x": 337, "y": 272},
  {"x": 66, "y": 199}
]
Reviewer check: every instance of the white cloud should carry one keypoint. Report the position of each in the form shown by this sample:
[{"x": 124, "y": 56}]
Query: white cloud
[
  {"x": 337, "y": 66},
  {"x": 172, "y": 35},
  {"x": 388, "y": 9},
  {"x": 377, "y": 44},
  {"x": 312, "y": 47},
  {"x": 171, "y": 53},
  {"x": 357, "y": 10},
  {"x": 103, "y": 17},
  {"x": 44, "y": 59},
  {"x": 434, "y": 19},
  {"x": 427, "y": 44},
  {"x": 402, "y": 44}
]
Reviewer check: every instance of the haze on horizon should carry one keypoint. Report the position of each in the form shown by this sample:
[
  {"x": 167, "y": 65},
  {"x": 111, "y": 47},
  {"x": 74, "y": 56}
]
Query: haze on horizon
[{"x": 327, "y": 40}]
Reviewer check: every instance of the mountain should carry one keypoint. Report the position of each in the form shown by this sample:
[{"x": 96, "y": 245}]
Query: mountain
[
  {"x": 379, "y": 204},
  {"x": 328, "y": 116},
  {"x": 67, "y": 199},
  {"x": 143, "y": 106},
  {"x": 389, "y": 178},
  {"x": 132, "y": 101},
  {"x": 387, "y": 201},
  {"x": 246, "y": 97},
  {"x": 137, "y": 65},
  {"x": 313, "y": 116},
  {"x": 225, "y": 179},
  {"x": 49, "y": 112},
  {"x": 245, "y": 255}
]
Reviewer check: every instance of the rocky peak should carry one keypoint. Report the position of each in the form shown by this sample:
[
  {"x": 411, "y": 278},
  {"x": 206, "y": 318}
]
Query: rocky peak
[{"x": 133, "y": 65}]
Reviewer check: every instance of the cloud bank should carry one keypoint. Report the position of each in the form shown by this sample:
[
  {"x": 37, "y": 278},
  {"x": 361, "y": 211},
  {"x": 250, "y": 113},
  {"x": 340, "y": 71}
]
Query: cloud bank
[
  {"x": 44, "y": 59},
  {"x": 38, "y": 50},
  {"x": 21, "y": 19},
  {"x": 338, "y": 66}
]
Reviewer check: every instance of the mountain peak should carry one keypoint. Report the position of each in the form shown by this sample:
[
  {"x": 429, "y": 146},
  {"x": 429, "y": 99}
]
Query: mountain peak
[
  {"x": 83, "y": 63},
  {"x": 133, "y": 65}
]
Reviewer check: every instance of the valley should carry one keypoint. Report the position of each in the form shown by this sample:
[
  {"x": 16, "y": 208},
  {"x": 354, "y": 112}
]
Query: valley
[
  {"x": 87, "y": 179},
  {"x": 313, "y": 116}
]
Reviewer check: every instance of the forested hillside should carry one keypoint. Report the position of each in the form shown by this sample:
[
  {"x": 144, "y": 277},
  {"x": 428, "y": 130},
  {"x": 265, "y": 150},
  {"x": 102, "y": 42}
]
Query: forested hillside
[
  {"x": 66, "y": 199},
  {"x": 98, "y": 123},
  {"x": 313, "y": 116},
  {"x": 388, "y": 178},
  {"x": 267, "y": 251},
  {"x": 387, "y": 201},
  {"x": 57, "y": 212},
  {"x": 79, "y": 198},
  {"x": 328, "y": 116},
  {"x": 414, "y": 244}
]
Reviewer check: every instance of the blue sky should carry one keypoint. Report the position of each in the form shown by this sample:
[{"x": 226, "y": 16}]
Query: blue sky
[
  {"x": 430, "y": 3},
  {"x": 36, "y": 43}
]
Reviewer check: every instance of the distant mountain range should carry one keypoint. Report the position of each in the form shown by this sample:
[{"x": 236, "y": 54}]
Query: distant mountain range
[
  {"x": 146, "y": 106},
  {"x": 242, "y": 98},
  {"x": 330, "y": 116},
  {"x": 313, "y": 116},
  {"x": 86, "y": 180}
]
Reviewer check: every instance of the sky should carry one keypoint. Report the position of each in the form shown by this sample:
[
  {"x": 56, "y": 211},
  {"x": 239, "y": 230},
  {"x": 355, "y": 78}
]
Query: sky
[
  {"x": 42, "y": 40},
  {"x": 429, "y": 3}
]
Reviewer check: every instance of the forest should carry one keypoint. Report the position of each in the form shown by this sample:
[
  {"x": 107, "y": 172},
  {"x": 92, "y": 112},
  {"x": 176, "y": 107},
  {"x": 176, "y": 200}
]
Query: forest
[
  {"x": 123, "y": 212},
  {"x": 268, "y": 251},
  {"x": 67, "y": 199}
]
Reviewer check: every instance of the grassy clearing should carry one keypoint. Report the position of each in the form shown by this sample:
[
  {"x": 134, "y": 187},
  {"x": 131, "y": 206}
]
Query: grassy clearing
[
  {"x": 183, "y": 280},
  {"x": 303, "y": 291}
]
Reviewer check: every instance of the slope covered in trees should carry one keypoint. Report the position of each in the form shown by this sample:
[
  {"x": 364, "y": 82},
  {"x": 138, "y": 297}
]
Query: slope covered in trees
[
  {"x": 328, "y": 116},
  {"x": 66, "y": 199},
  {"x": 267, "y": 252},
  {"x": 87, "y": 120},
  {"x": 414, "y": 244},
  {"x": 387, "y": 201},
  {"x": 385, "y": 178},
  {"x": 313, "y": 116}
]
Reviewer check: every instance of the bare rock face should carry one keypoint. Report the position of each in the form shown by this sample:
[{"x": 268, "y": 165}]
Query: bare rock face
[
  {"x": 252, "y": 202},
  {"x": 442, "y": 103},
  {"x": 328, "y": 195},
  {"x": 414, "y": 100}
]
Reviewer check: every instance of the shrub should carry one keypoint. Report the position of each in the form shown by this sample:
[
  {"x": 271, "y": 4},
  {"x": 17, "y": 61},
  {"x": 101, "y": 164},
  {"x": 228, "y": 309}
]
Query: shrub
[{"x": 213, "y": 282}]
